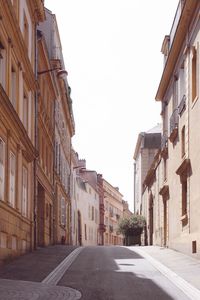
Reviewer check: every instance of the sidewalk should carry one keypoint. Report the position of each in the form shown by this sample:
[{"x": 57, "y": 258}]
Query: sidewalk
[
  {"x": 182, "y": 269},
  {"x": 37, "y": 265}
]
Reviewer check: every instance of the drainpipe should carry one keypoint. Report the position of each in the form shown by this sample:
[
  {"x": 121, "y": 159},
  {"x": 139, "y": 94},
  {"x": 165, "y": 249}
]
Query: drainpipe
[
  {"x": 134, "y": 183},
  {"x": 36, "y": 147}
]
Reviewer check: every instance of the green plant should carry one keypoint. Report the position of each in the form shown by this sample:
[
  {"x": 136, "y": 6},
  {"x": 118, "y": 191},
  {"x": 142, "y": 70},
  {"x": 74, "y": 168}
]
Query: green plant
[{"x": 132, "y": 226}]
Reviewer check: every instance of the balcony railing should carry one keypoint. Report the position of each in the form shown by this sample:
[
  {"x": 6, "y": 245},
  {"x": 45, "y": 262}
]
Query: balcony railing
[
  {"x": 111, "y": 213},
  {"x": 174, "y": 125},
  {"x": 182, "y": 105},
  {"x": 110, "y": 228},
  {"x": 164, "y": 144},
  {"x": 117, "y": 216}
]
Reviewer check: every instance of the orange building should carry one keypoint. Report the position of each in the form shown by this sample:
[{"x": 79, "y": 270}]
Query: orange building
[{"x": 17, "y": 124}]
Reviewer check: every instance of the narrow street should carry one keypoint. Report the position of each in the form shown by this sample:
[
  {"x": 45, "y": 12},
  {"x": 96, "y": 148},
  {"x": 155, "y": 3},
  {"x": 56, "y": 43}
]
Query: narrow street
[
  {"x": 64, "y": 272},
  {"x": 117, "y": 273}
]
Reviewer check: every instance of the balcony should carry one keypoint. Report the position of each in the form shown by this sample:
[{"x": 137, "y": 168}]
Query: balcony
[
  {"x": 117, "y": 216},
  {"x": 174, "y": 126},
  {"x": 182, "y": 105},
  {"x": 110, "y": 228},
  {"x": 102, "y": 227},
  {"x": 164, "y": 145},
  {"x": 111, "y": 213}
]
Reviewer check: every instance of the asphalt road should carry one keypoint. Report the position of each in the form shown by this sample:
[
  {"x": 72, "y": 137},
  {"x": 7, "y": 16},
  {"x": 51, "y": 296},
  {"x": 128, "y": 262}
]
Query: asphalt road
[{"x": 117, "y": 273}]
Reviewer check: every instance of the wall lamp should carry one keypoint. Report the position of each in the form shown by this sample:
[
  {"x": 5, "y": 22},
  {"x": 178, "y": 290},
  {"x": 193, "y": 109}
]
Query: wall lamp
[
  {"x": 60, "y": 74},
  {"x": 79, "y": 167}
]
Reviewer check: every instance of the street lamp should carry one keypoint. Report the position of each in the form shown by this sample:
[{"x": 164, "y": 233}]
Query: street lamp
[{"x": 60, "y": 74}]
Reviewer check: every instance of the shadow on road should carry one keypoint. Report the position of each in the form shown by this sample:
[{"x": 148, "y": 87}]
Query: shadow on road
[{"x": 114, "y": 273}]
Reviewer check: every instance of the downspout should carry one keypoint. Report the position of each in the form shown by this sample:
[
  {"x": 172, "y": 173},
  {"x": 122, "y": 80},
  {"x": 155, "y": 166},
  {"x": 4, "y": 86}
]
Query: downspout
[
  {"x": 134, "y": 182},
  {"x": 36, "y": 147},
  {"x": 70, "y": 197},
  {"x": 54, "y": 181}
]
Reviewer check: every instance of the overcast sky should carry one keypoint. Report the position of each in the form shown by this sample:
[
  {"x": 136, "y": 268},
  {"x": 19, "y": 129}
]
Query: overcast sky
[{"x": 112, "y": 54}]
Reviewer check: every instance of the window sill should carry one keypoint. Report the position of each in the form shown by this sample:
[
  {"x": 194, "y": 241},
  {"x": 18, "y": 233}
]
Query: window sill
[
  {"x": 184, "y": 217},
  {"x": 194, "y": 101}
]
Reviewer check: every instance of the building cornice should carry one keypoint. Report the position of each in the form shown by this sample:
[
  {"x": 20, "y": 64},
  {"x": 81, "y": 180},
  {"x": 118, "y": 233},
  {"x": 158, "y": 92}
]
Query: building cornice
[
  {"x": 187, "y": 14},
  {"x": 38, "y": 8}
]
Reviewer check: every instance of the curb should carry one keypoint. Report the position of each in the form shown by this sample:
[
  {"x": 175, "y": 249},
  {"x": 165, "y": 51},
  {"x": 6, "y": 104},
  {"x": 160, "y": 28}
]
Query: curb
[
  {"x": 54, "y": 277},
  {"x": 188, "y": 289}
]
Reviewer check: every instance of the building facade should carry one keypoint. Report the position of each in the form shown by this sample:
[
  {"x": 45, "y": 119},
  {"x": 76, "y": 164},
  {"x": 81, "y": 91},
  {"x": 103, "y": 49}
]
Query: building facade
[
  {"x": 145, "y": 150},
  {"x": 113, "y": 203},
  {"x": 172, "y": 191},
  {"x": 85, "y": 204},
  {"x": 17, "y": 124},
  {"x": 126, "y": 211},
  {"x": 64, "y": 129}
]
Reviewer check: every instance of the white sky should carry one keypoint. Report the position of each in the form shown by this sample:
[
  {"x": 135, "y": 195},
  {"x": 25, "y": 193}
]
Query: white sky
[{"x": 112, "y": 54}]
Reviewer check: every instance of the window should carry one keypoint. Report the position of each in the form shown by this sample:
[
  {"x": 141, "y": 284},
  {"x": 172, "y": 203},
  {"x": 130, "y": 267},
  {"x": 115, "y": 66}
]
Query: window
[
  {"x": 181, "y": 84},
  {"x": 63, "y": 211},
  {"x": 24, "y": 191},
  {"x": 184, "y": 197},
  {"x": 194, "y": 73},
  {"x": 12, "y": 179},
  {"x": 14, "y": 243},
  {"x": 13, "y": 85},
  {"x": 58, "y": 159},
  {"x": 96, "y": 216},
  {"x": 85, "y": 232},
  {"x": 92, "y": 213},
  {"x": 175, "y": 93},
  {"x": 2, "y": 168},
  {"x": 26, "y": 31},
  {"x": 14, "y": 3},
  {"x": 46, "y": 167},
  {"x": 183, "y": 141},
  {"x": 165, "y": 169},
  {"x": 3, "y": 240},
  {"x": 25, "y": 111},
  {"x": 2, "y": 65}
]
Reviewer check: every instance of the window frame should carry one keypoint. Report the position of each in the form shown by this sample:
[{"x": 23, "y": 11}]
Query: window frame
[
  {"x": 12, "y": 201},
  {"x": 24, "y": 207},
  {"x": 2, "y": 166}
]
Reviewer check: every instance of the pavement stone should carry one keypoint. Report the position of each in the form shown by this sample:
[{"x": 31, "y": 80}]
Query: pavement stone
[{"x": 27, "y": 290}]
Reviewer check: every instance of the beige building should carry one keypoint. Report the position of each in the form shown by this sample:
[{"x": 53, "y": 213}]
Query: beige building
[
  {"x": 85, "y": 204},
  {"x": 63, "y": 130},
  {"x": 17, "y": 124},
  {"x": 113, "y": 205},
  {"x": 146, "y": 147},
  {"x": 171, "y": 198},
  {"x": 45, "y": 147},
  {"x": 126, "y": 211}
]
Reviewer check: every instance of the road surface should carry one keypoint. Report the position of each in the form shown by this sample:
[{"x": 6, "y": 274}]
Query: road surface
[{"x": 117, "y": 273}]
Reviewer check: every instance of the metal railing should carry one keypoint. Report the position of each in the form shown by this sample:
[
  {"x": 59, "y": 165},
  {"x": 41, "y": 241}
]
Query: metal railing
[
  {"x": 164, "y": 141},
  {"x": 182, "y": 105},
  {"x": 174, "y": 120}
]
